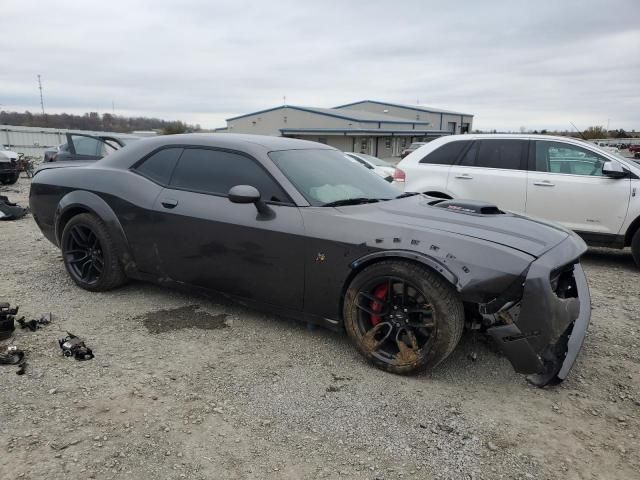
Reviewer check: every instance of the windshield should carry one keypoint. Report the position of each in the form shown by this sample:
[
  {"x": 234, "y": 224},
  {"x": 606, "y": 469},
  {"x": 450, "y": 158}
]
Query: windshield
[
  {"x": 374, "y": 160},
  {"x": 327, "y": 176}
]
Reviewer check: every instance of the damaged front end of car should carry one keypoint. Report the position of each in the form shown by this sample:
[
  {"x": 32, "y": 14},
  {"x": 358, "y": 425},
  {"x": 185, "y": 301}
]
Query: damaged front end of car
[{"x": 541, "y": 322}]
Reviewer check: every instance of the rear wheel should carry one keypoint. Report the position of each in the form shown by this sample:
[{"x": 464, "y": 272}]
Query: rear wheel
[
  {"x": 402, "y": 316},
  {"x": 635, "y": 247},
  {"x": 89, "y": 254}
]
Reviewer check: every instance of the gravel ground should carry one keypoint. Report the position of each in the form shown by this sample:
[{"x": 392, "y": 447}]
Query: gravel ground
[{"x": 184, "y": 386}]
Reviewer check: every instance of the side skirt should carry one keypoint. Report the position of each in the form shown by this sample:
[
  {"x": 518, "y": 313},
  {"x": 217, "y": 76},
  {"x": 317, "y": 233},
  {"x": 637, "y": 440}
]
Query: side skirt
[{"x": 602, "y": 239}]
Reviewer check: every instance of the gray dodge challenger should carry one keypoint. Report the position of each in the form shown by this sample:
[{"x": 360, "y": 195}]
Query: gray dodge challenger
[{"x": 295, "y": 228}]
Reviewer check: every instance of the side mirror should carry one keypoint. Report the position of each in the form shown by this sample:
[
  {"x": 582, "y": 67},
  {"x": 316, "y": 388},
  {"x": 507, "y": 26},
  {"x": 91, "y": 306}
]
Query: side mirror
[
  {"x": 248, "y": 194},
  {"x": 613, "y": 170},
  {"x": 244, "y": 194}
]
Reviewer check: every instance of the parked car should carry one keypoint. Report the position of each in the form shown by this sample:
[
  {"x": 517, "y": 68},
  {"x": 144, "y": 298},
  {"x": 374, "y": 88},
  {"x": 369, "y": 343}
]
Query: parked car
[
  {"x": 87, "y": 147},
  {"x": 9, "y": 167},
  {"x": 412, "y": 148},
  {"x": 379, "y": 167},
  {"x": 586, "y": 188},
  {"x": 635, "y": 149},
  {"x": 294, "y": 227}
]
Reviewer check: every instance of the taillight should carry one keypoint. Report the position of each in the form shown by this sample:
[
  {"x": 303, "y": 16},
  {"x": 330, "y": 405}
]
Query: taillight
[
  {"x": 54, "y": 158},
  {"x": 399, "y": 175}
]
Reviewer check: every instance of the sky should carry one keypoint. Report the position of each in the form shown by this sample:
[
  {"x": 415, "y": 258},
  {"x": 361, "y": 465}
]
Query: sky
[{"x": 513, "y": 64}]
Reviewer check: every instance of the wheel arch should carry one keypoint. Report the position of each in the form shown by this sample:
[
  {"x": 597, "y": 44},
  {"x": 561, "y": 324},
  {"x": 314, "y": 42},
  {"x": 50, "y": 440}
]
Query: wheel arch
[
  {"x": 368, "y": 260},
  {"x": 81, "y": 201},
  {"x": 633, "y": 228}
]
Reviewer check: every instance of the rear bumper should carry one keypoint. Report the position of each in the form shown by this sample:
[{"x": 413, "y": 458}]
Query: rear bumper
[{"x": 546, "y": 332}]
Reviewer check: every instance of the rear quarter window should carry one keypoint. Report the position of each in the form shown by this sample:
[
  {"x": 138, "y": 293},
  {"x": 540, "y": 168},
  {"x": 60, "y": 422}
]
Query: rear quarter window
[
  {"x": 159, "y": 166},
  {"x": 447, "y": 154}
]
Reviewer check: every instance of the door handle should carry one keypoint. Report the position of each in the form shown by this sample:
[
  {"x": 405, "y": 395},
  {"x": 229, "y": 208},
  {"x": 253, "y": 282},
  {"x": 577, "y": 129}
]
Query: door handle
[
  {"x": 169, "y": 203},
  {"x": 545, "y": 183},
  {"x": 464, "y": 176}
]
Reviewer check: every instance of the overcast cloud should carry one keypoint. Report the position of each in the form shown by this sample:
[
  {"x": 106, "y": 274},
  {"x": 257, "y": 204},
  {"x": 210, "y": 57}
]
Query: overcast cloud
[{"x": 512, "y": 63}]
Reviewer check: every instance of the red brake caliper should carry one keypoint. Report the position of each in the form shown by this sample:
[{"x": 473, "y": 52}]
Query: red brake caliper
[{"x": 381, "y": 293}]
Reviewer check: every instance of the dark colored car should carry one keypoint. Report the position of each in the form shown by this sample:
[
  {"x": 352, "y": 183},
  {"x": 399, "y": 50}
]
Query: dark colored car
[
  {"x": 296, "y": 228},
  {"x": 86, "y": 147},
  {"x": 412, "y": 148}
]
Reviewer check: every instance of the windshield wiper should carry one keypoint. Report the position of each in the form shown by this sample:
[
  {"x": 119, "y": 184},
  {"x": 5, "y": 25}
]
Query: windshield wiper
[
  {"x": 407, "y": 194},
  {"x": 351, "y": 201}
]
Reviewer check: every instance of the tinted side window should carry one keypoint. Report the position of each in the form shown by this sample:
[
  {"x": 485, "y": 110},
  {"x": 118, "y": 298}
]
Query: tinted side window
[
  {"x": 447, "y": 154},
  {"x": 158, "y": 167},
  {"x": 506, "y": 154},
  {"x": 214, "y": 171},
  {"x": 469, "y": 157}
]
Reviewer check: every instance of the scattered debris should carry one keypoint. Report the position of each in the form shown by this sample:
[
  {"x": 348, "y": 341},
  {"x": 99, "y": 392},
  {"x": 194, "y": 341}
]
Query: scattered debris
[
  {"x": 14, "y": 356},
  {"x": 333, "y": 388},
  {"x": 34, "y": 325},
  {"x": 11, "y": 211},
  {"x": 73, "y": 346},
  {"x": 7, "y": 314},
  {"x": 63, "y": 446}
]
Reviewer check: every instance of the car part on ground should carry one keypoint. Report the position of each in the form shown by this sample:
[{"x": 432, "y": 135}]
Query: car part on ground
[
  {"x": 295, "y": 228},
  {"x": 14, "y": 356},
  {"x": 538, "y": 175},
  {"x": 7, "y": 316},
  {"x": 11, "y": 211},
  {"x": 34, "y": 324},
  {"x": 74, "y": 347}
]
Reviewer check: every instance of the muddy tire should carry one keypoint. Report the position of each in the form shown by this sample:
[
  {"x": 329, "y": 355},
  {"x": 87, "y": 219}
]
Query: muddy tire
[
  {"x": 412, "y": 324},
  {"x": 89, "y": 254},
  {"x": 635, "y": 247}
]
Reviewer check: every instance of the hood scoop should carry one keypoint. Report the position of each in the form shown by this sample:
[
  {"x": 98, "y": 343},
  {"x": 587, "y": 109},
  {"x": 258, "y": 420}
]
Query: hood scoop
[{"x": 470, "y": 207}]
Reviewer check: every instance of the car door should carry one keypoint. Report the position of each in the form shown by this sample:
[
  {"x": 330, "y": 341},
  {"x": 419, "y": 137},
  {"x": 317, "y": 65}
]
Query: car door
[
  {"x": 566, "y": 185},
  {"x": 203, "y": 239},
  {"x": 492, "y": 170},
  {"x": 88, "y": 147}
]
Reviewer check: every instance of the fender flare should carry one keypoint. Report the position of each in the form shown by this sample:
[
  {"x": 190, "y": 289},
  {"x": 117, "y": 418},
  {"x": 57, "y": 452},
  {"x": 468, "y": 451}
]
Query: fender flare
[
  {"x": 430, "y": 262},
  {"x": 90, "y": 202}
]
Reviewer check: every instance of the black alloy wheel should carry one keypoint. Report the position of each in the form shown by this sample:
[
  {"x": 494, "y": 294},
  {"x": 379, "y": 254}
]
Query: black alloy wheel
[
  {"x": 90, "y": 255},
  {"x": 395, "y": 319},
  {"x": 402, "y": 316},
  {"x": 84, "y": 254}
]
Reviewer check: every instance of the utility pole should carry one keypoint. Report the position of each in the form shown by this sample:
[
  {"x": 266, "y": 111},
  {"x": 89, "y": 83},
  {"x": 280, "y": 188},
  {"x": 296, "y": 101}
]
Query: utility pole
[{"x": 41, "y": 99}]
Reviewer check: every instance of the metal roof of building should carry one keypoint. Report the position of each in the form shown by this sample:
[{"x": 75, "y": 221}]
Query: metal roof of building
[
  {"x": 418, "y": 108},
  {"x": 345, "y": 114}
]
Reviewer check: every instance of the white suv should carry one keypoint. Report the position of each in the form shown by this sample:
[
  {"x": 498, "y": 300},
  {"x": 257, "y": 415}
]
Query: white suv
[{"x": 590, "y": 190}]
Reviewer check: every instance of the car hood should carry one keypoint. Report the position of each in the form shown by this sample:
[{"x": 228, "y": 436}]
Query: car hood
[
  {"x": 525, "y": 234},
  {"x": 7, "y": 155}
]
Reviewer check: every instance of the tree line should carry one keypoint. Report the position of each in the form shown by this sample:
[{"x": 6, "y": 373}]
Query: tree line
[{"x": 94, "y": 121}]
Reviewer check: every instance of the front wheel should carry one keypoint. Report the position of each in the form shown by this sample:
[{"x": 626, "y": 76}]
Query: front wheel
[
  {"x": 89, "y": 254},
  {"x": 635, "y": 247},
  {"x": 402, "y": 316}
]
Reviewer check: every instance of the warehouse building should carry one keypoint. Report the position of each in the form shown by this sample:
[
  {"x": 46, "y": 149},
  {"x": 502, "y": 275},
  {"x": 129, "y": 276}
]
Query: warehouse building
[{"x": 376, "y": 128}]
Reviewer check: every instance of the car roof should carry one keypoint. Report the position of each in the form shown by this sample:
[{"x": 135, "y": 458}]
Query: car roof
[{"x": 255, "y": 145}]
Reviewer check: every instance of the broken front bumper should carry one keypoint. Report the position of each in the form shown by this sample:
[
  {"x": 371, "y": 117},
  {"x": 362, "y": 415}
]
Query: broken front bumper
[{"x": 545, "y": 331}]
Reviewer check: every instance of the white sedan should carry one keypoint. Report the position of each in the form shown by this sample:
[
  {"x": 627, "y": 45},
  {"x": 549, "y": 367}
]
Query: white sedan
[{"x": 379, "y": 167}]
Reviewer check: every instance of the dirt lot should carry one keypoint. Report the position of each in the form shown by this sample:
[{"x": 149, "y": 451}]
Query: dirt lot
[{"x": 188, "y": 387}]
